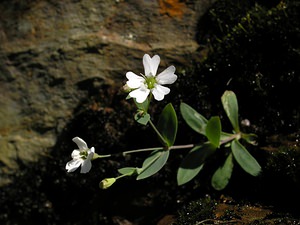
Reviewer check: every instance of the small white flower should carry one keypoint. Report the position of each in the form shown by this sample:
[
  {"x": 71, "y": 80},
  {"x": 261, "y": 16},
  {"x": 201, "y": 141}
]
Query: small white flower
[
  {"x": 81, "y": 157},
  {"x": 149, "y": 82}
]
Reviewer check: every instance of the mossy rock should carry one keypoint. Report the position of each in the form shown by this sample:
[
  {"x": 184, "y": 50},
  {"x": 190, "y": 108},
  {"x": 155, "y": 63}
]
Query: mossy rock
[
  {"x": 226, "y": 210},
  {"x": 252, "y": 49}
]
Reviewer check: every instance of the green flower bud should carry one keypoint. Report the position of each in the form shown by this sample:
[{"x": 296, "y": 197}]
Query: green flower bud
[
  {"x": 107, "y": 182},
  {"x": 126, "y": 88}
]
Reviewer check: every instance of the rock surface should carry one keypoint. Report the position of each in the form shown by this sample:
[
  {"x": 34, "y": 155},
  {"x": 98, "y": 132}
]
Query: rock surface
[{"x": 48, "y": 48}]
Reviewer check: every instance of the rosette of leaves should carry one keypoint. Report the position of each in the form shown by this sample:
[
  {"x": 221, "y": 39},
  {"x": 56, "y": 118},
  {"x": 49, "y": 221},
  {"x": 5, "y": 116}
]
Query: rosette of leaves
[{"x": 193, "y": 163}]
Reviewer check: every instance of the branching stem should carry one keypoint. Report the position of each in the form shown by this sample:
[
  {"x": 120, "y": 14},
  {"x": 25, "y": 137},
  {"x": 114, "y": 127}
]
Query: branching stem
[{"x": 158, "y": 148}]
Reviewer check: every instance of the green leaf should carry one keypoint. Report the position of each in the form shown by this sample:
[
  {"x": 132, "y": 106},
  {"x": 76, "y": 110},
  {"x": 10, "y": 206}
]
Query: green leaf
[
  {"x": 245, "y": 159},
  {"x": 195, "y": 120},
  {"x": 222, "y": 175},
  {"x": 153, "y": 164},
  {"x": 127, "y": 170},
  {"x": 213, "y": 131},
  {"x": 225, "y": 138},
  {"x": 230, "y": 106},
  {"x": 250, "y": 138},
  {"x": 167, "y": 124},
  {"x": 142, "y": 106},
  {"x": 142, "y": 118},
  {"x": 193, "y": 162}
]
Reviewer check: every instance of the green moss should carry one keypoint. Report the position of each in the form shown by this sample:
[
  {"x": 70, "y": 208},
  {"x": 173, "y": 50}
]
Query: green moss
[
  {"x": 283, "y": 159},
  {"x": 253, "y": 49},
  {"x": 196, "y": 211}
]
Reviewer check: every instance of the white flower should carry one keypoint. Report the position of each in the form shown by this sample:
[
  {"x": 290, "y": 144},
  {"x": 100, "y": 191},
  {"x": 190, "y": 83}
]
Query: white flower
[
  {"x": 81, "y": 157},
  {"x": 149, "y": 82}
]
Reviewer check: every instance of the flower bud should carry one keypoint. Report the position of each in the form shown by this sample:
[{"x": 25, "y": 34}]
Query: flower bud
[
  {"x": 107, "y": 182},
  {"x": 126, "y": 88}
]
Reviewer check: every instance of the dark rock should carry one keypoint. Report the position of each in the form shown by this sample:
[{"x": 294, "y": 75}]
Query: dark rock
[{"x": 49, "y": 48}]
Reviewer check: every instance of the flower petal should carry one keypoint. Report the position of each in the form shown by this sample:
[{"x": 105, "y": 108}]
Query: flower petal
[
  {"x": 91, "y": 153},
  {"x": 134, "y": 81},
  {"x": 150, "y": 64},
  {"x": 92, "y": 149},
  {"x": 159, "y": 92},
  {"x": 168, "y": 76},
  {"x": 73, "y": 164},
  {"x": 86, "y": 166},
  {"x": 76, "y": 154},
  {"x": 80, "y": 143},
  {"x": 140, "y": 94}
]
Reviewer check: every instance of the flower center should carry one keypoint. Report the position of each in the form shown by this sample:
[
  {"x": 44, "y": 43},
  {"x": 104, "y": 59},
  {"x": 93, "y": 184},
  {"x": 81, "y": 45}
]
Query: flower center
[
  {"x": 150, "y": 81},
  {"x": 84, "y": 154}
]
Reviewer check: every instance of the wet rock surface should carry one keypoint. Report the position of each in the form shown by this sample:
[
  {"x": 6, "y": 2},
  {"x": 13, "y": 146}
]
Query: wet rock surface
[{"x": 53, "y": 53}]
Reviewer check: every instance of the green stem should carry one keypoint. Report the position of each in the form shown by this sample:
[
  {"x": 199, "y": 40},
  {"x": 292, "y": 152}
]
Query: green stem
[
  {"x": 181, "y": 146},
  {"x": 123, "y": 175},
  {"x": 142, "y": 150},
  {"x": 97, "y": 156},
  {"x": 234, "y": 136},
  {"x": 149, "y": 100},
  {"x": 158, "y": 148},
  {"x": 158, "y": 133}
]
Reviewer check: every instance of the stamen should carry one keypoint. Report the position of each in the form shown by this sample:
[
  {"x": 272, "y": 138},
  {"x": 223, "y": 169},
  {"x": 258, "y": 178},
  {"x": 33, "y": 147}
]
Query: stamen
[
  {"x": 143, "y": 76},
  {"x": 83, "y": 154}
]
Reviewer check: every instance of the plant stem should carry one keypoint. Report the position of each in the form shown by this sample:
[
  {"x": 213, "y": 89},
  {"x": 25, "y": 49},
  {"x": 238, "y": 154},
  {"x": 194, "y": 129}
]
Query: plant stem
[
  {"x": 181, "y": 146},
  {"x": 234, "y": 136},
  {"x": 158, "y": 133},
  {"x": 97, "y": 156},
  {"x": 123, "y": 175},
  {"x": 142, "y": 150},
  {"x": 158, "y": 148}
]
